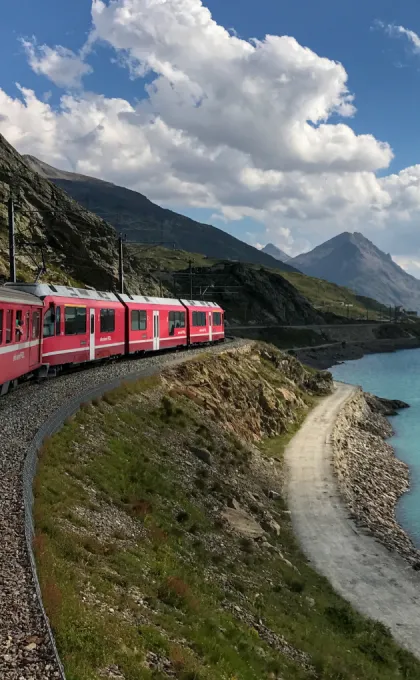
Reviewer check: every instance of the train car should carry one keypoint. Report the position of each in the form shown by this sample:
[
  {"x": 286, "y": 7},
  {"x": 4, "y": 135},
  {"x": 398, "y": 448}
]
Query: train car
[
  {"x": 79, "y": 325},
  {"x": 20, "y": 336},
  {"x": 154, "y": 323},
  {"x": 205, "y": 321}
]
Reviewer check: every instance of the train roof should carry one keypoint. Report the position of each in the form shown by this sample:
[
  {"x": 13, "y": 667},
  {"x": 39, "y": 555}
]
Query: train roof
[
  {"x": 200, "y": 303},
  {"x": 43, "y": 290},
  {"x": 142, "y": 299},
  {"x": 18, "y": 297}
]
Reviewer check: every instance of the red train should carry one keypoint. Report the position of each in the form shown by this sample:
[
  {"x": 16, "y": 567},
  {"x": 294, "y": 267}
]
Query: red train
[{"x": 44, "y": 327}]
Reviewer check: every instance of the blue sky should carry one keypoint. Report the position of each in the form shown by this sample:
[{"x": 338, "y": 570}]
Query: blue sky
[{"x": 383, "y": 74}]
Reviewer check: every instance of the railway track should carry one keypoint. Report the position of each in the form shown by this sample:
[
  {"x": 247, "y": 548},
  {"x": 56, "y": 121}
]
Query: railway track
[{"x": 27, "y": 415}]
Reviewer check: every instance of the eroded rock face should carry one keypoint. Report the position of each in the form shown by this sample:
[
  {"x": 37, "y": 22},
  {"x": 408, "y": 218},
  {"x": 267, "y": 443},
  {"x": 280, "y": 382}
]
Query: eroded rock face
[
  {"x": 78, "y": 245},
  {"x": 370, "y": 476},
  {"x": 255, "y": 392}
]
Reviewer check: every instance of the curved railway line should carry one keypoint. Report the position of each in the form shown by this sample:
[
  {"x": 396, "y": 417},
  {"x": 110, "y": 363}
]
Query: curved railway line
[{"x": 27, "y": 416}]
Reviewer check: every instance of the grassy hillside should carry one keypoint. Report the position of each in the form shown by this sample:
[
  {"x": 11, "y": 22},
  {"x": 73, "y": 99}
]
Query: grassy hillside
[
  {"x": 164, "y": 544},
  {"x": 171, "y": 266},
  {"x": 328, "y": 297}
]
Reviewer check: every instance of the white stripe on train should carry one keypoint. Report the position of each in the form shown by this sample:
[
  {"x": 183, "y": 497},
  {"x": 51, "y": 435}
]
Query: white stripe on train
[{"x": 18, "y": 348}]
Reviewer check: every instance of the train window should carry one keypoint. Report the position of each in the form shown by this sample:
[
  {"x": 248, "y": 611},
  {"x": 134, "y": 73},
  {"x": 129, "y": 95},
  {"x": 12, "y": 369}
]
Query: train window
[
  {"x": 217, "y": 319},
  {"x": 1, "y": 326},
  {"x": 199, "y": 318},
  {"x": 19, "y": 326},
  {"x": 107, "y": 320},
  {"x": 138, "y": 320},
  {"x": 9, "y": 320},
  {"x": 49, "y": 323},
  {"x": 57, "y": 320},
  {"x": 36, "y": 325},
  {"x": 28, "y": 317},
  {"x": 176, "y": 320},
  {"x": 75, "y": 320}
]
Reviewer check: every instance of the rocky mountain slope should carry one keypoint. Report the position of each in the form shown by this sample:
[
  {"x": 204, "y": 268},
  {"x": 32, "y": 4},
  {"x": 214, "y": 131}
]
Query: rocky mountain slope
[
  {"x": 352, "y": 260},
  {"x": 276, "y": 252},
  {"x": 249, "y": 294},
  {"x": 79, "y": 247},
  {"x": 144, "y": 221}
]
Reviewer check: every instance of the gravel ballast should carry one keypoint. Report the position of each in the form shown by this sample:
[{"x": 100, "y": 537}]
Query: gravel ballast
[{"x": 26, "y": 651}]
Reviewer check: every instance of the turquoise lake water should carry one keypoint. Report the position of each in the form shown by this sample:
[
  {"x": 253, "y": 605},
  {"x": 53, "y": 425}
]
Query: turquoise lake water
[{"x": 396, "y": 376}]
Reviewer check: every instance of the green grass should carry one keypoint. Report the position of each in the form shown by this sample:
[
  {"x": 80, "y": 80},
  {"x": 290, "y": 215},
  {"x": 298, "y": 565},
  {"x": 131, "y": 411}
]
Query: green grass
[
  {"x": 167, "y": 259},
  {"x": 134, "y": 559},
  {"x": 328, "y": 297}
]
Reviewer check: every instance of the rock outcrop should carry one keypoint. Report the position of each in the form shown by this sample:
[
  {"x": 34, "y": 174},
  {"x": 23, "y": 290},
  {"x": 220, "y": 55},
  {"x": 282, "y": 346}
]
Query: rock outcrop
[
  {"x": 255, "y": 392},
  {"x": 79, "y": 247},
  {"x": 370, "y": 476}
]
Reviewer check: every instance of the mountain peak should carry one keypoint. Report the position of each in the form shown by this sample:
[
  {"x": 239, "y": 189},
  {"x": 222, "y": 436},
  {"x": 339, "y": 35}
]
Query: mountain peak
[
  {"x": 277, "y": 253},
  {"x": 350, "y": 259}
]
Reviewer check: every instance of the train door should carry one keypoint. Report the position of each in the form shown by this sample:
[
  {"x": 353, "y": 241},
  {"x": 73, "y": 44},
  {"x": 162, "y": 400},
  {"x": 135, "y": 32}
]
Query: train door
[
  {"x": 92, "y": 335},
  {"x": 156, "y": 341},
  {"x": 210, "y": 326},
  {"x": 35, "y": 338}
]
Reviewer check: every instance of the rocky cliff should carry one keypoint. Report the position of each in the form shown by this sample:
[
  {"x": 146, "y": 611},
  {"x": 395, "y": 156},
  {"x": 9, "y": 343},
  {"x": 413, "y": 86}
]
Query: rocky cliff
[
  {"x": 255, "y": 392},
  {"x": 79, "y": 247}
]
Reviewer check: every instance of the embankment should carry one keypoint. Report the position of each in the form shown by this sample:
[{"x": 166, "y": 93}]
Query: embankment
[
  {"x": 164, "y": 544},
  {"x": 374, "y": 579},
  {"x": 324, "y": 346},
  {"x": 370, "y": 476},
  {"x": 324, "y": 357}
]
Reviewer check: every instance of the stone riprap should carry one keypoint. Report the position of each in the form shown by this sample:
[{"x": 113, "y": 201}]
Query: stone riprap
[{"x": 370, "y": 477}]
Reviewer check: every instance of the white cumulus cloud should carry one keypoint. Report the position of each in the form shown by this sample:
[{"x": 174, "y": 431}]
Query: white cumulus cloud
[
  {"x": 61, "y": 65},
  {"x": 246, "y": 128},
  {"x": 395, "y": 31}
]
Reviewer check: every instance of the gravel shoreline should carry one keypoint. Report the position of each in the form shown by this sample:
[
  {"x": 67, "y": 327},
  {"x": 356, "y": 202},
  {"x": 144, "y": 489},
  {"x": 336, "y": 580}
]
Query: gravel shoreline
[
  {"x": 370, "y": 477},
  {"x": 25, "y": 649}
]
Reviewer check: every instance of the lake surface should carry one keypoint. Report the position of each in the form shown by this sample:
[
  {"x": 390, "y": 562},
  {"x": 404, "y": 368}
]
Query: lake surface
[{"x": 396, "y": 376}]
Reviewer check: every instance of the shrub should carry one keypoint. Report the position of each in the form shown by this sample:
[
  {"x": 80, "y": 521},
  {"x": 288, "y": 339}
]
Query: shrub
[
  {"x": 140, "y": 508},
  {"x": 294, "y": 584},
  {"x": 174, "y": 592},
  {"x": 167, "y": 406},
  {"x": 247, "y": 545},
  {"x": 341, "y": 618}
]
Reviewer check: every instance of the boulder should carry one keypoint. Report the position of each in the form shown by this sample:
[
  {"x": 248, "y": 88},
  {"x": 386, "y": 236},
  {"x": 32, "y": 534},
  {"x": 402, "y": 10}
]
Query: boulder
[{"x": 241, "y": 522}]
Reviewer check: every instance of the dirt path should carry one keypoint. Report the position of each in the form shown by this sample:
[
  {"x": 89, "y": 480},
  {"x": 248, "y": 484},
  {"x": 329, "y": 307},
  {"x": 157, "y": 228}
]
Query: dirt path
[{"x": 376, "y": 582}]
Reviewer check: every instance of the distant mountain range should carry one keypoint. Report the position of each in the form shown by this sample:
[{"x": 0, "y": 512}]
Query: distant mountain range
[
  {"x": 144, "y": 222},
  {"x": 276, "y": 252},
  {"x": 353, "y": 261},
  {"x": 348, "y": 259}
]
